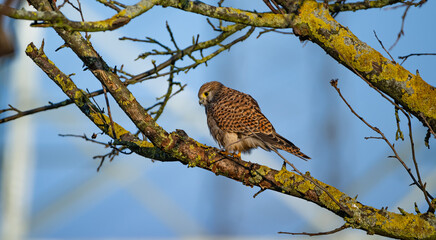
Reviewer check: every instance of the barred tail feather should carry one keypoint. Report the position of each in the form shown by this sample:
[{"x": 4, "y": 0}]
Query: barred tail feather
[
  {"x": 286, "y": 145},
  {"x": 275, "y": 141}
]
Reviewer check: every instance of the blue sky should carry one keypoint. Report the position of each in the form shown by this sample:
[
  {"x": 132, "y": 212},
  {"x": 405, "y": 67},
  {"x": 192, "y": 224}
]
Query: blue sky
[{"x": 133, "y": 197}]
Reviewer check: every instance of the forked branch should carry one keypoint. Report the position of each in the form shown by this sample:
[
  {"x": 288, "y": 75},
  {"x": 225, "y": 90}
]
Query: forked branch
[
  {"x": 178, "y": 146},
  {"x": 416, "y": 181}
]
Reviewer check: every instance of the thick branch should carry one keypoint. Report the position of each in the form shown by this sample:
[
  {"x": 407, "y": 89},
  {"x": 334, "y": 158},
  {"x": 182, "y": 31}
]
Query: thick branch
[
  {"x": 57, "y": 19},
  {"x": 188, "y": 151},
  {"x": 178, "y": 146},
  {"x": 355, "y": 6},
  {"x": 80, "y": 98},
  {"x": 315, "y": 23},
  {"x": 217, "y": 41},
  {"x": 232, "y": 14}
]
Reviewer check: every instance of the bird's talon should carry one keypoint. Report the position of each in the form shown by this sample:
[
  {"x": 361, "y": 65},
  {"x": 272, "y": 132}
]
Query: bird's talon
[
  {"x": 230, "y": 154},
  {"x": 284, "y": 165}
]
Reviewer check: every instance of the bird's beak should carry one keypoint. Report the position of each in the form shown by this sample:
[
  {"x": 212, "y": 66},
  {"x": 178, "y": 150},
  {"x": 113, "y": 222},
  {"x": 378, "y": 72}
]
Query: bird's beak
[{"x": 201, "y": 101}]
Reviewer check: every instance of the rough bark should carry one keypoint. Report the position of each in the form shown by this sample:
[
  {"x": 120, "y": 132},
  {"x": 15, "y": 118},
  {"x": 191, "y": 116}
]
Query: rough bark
[
  {"x": 310, "y": 21},
  {"x": 178, "y": 146}
]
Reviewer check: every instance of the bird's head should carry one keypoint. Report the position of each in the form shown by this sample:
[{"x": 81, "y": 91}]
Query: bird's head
[{"x": 208, "y": 91}]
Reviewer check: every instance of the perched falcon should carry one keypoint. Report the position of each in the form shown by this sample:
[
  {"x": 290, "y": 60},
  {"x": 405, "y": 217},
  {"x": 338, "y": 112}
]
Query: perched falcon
[{"x": 237, "y": 124}]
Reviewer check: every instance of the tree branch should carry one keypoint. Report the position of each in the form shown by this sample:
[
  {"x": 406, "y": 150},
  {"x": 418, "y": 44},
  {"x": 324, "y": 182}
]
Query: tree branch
[
  {"x": 154, "y": 72},
  {"x": 315, "y": 23},
  {"x": 177, "y": 146},
  {"x": 57, "y": 19},
  {"x": 188, "y": 151},
  {"x": 355, "y": 6},
  {"x": 80, "y": 98}
]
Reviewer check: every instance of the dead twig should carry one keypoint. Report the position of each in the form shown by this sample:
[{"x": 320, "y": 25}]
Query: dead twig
[
  {"x": 42, "y": 108},
  {"x": 155, "y": 71},
  {"x": 166, "y": 97},
  {"x": 415, "y": 54},
  {"x": 416, "y": 182},
  {"x": 430, "y": 132},
  {"x": 109, "y": 111},
  {"x": 268, "y": 4},
  {"x": 406, "y": 113},
  {"x": 110, "y": 4},
  {"x": 401, "y": 33},
  {"x": 85, "y": 138},
  {"x": 259, "y": 192},
  {"x": 381, "y": 43},
  {"x": 265, "y": 30},
  {"x": 345, "y": 226},
  {"x": 111, "y": 155},
  {"x": 398, "y": 134},
  {"x": 11, "y": 108}
]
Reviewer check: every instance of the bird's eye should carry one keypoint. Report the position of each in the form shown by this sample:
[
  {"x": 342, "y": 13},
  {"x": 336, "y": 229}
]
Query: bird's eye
[{"x": 206, "y": 93}]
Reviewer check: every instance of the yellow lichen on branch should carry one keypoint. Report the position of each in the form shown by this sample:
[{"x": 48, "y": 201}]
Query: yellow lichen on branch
[
  {"x": 77, "y": 95},
  {"x": 315, "y": 23},
  {"x": 423, "y": 99}
]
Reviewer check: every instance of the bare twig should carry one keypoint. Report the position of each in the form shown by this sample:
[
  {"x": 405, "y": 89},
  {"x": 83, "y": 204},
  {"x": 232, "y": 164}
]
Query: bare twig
[
  {"x": 112, "y": 154},
  {"x": 202, "y": 45},
  {"x": 172, "y": 36},
  {"x": 11, "y": 108},
  {"x": 110, "y": 4},
  {"x": 401, "y": 33},
  {"x": 428, "y": 125},
  {"x": 420, "y": 185},
  {"x": 268, "y": 4},
  {"x": 86, "y": 138},
  {"x": 427, "y": 138},
  {"x": 282, "y": 11},
  {"x": 154, "y": 72},
  {"x": 415, "y": 54},
  {"x": 169, "y": 94},
  {"x": 265, "y": 30},
  {"x": 259, "y": 192},
  {"x": 340, "y": 6},
  {"x": 213, "y": 26},
  {"x": 345, "y": 226},
  {"x": 381, "y": 43},
  {"x": 43, "y": 108},
  {"x": 415, "y": 163},
  {"x": 109, "y": 112},
  {"x": 398, "y": 134},
  {"x": 418, "y": 182}
]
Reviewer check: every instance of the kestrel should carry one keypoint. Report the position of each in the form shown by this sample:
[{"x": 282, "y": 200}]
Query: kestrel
[{"x": 237, "y": 124}]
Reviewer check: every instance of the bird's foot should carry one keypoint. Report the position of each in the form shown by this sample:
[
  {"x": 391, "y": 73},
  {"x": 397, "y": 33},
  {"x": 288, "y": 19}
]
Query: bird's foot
[
  {"x": 230, "y": 154},
  {"x": 284, "y": 165}
]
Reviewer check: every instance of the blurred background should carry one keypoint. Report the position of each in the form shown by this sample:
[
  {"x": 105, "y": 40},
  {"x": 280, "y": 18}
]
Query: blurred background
[{"x": 50, "y": 188}]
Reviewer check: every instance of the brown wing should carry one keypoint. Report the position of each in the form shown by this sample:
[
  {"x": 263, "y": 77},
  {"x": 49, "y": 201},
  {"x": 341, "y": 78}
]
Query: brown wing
[{"x": 238, "y": 112}]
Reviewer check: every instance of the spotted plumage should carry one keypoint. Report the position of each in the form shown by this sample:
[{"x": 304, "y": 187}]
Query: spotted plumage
[{"x": 236, "y": 122}]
